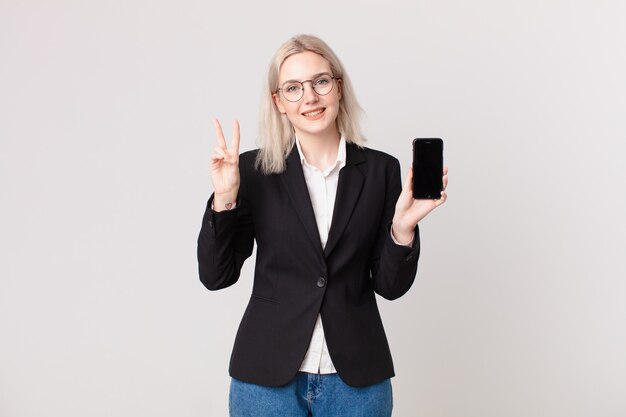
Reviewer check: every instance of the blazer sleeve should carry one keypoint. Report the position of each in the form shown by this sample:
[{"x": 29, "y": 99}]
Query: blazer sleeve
[
  {"x": 226, "y": 239},
  {"x": 393, "y": 267}
]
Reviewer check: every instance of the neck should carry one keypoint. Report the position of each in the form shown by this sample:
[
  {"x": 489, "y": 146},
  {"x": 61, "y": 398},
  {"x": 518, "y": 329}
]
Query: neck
[{"x": 320, "y": 150}]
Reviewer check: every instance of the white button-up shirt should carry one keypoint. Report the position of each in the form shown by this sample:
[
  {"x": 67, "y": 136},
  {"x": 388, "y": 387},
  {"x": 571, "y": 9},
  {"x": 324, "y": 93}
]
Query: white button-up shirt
[{"x": 322, "y": 186}]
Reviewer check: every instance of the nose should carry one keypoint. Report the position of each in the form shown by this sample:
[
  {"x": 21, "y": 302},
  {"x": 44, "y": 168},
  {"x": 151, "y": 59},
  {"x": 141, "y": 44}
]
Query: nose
[{"x": 309, "y": 95}]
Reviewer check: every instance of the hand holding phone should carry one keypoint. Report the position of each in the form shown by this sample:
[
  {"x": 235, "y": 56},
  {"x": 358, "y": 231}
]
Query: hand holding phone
[{"x": 424, "y": 188}]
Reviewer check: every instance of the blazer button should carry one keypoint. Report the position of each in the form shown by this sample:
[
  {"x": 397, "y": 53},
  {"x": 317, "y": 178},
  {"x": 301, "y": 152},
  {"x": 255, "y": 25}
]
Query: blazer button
[{"x": 321, "y": 281}]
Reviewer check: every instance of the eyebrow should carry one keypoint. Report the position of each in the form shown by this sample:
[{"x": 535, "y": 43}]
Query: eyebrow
[{"x": 312, "y": 78}]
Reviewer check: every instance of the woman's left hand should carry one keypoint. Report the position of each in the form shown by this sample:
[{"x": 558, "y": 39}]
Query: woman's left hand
[{"x": 410, "y": 211}]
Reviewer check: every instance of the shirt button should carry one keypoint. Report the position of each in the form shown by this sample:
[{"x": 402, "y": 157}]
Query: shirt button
[{"x": 321, "y": 281}]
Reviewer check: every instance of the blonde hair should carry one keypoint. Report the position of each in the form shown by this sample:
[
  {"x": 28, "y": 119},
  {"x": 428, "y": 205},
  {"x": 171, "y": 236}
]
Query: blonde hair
[{"x": 276, "y": 133}]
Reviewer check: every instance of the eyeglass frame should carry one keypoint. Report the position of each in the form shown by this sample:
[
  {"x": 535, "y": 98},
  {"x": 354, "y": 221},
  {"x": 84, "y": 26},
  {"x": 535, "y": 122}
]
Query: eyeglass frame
[{"x": 312, "y": 86}]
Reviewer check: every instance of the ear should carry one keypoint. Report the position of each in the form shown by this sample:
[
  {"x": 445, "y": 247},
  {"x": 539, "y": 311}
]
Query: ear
[
  {"x": 278, "y": 104},
  {"x": 339, "y": 88}
]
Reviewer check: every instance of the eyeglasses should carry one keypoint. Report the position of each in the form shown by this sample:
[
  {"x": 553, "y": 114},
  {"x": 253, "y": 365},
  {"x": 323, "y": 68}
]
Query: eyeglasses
[{"x": 294, "y": 90}]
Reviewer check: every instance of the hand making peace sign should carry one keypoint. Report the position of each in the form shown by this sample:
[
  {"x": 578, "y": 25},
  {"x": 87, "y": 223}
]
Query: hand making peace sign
[{"x": 225, "y": 168}]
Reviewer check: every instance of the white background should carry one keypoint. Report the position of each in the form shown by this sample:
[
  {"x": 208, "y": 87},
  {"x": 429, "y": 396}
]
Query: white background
[{"x": 105, "y": 134}]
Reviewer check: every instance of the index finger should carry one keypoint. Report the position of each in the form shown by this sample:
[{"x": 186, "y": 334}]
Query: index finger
[
  {"x": 408, "y": 181},
  {"x": 220, "y": 134},
  {"x": 236, "y": 136}
]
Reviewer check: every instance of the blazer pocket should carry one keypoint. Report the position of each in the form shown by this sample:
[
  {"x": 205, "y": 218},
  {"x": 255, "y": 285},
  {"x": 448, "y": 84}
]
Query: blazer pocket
[{"x": 263, "y": 299}]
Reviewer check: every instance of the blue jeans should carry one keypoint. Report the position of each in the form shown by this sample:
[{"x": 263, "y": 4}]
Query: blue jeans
[{"x": 310, "y": 395}]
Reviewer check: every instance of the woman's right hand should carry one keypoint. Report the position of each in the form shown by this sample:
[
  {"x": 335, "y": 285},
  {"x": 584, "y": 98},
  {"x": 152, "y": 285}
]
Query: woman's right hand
[{"x": 225, "y": 169}]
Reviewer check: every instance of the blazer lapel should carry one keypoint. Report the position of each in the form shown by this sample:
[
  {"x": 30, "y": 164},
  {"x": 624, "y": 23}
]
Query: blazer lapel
[
  {"x": 295, "y": 184},
  {"x": 351, "y": 179}
]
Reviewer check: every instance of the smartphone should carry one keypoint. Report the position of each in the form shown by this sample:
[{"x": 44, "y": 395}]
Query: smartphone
[{"x": 427, "y": 168}]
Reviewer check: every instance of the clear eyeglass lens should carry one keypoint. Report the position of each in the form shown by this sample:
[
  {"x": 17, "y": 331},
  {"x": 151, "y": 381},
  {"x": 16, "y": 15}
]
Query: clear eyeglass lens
[
  {"x": 323, "y": 85},
  {"x": 293, "y": 91}
]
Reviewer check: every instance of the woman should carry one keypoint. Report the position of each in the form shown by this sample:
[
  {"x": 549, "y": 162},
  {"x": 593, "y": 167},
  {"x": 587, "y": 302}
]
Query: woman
[{"x": 332, "y": 226}]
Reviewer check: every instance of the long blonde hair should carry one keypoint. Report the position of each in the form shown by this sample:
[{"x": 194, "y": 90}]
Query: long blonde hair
[{"x": 276, "y": 133}]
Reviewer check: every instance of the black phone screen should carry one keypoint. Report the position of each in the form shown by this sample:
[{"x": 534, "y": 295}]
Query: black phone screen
[{"x": 427, "y": 168}]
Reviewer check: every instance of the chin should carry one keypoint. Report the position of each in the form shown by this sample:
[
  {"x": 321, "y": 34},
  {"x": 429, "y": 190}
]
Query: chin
[{"x": 314, "y": 130}]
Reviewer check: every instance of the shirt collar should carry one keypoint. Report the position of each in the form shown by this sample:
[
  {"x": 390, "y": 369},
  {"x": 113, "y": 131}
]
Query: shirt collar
[{"x": 341, "y": 152}]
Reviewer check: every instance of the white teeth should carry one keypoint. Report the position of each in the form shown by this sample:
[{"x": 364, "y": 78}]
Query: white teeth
[{"x": 314, "y": 113}]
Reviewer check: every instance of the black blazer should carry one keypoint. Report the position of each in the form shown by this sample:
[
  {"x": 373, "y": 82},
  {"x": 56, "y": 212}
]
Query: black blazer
[{"x": 295, "y": 279}]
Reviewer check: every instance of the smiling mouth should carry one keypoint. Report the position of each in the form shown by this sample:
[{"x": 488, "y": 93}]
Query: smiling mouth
[{"x": 314, "y": 113}]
